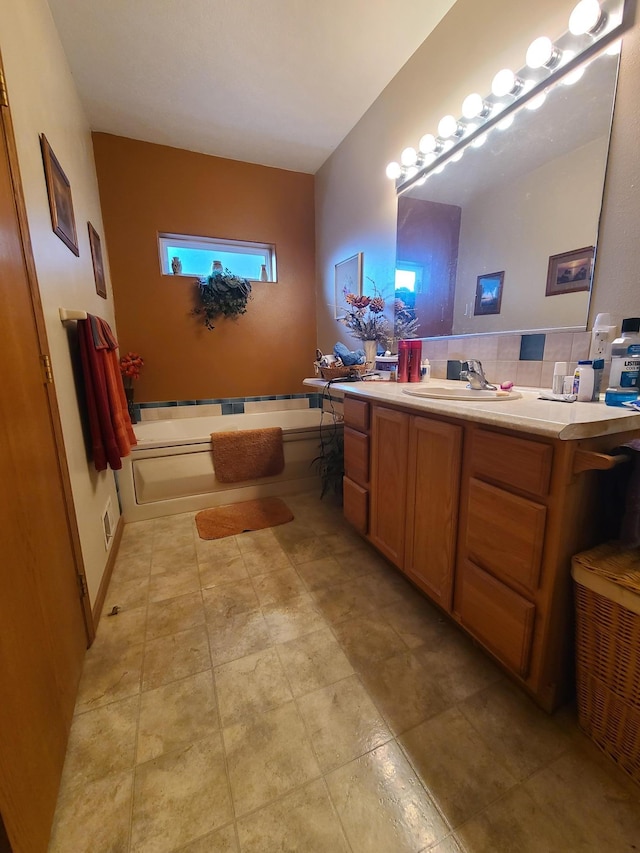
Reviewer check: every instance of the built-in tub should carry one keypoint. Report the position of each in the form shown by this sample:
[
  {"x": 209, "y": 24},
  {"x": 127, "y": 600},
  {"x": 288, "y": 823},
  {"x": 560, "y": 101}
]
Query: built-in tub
[{"x": 171, "y": 468}]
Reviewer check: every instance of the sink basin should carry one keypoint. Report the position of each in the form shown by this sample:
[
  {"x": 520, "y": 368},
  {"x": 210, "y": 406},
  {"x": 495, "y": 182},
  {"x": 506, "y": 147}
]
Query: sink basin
[{"x": 439, "y": 393}]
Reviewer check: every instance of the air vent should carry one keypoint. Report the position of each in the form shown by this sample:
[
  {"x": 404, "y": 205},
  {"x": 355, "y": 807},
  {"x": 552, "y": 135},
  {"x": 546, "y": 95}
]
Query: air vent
[{"x": 108, "y": 525}]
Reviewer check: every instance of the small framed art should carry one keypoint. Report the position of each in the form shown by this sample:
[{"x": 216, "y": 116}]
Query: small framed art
[
  {"x": 489, "y": 293},
  {"x": 348, "y": 276},
  {"x": 98, "y": 265},
  {"x": 570, "y": 272},
  {"x": 60, "y": 203}
]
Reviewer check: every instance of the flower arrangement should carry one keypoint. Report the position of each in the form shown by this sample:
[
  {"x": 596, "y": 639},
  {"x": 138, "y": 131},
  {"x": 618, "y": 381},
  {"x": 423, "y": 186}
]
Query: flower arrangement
[
  {"x": 405, "y": 322},
  {"x": 364, "y": 318},
  {"x": 130, "y": 366},
  {"x": 222, "y": 294}
]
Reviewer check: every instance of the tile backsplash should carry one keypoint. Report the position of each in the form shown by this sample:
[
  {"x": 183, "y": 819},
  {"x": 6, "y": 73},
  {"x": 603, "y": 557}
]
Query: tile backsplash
[{"x": 524, "y": 359}]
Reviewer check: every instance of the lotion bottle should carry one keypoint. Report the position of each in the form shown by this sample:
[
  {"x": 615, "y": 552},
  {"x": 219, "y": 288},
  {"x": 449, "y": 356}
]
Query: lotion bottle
[{"x": 583, "y": 380}]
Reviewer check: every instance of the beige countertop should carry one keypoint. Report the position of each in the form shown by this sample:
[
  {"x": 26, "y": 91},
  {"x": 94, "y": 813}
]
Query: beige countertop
[{"x": 526, "y": 414}]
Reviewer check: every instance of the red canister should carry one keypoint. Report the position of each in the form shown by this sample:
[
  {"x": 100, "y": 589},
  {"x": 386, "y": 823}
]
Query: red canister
[
  {"x": 415, "y": 358},
  {"x": 403, "y": 361}
]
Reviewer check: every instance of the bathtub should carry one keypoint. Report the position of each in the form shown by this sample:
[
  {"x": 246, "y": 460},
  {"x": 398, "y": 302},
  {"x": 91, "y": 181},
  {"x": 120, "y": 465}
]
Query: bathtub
[{"x": 171, "y": 468}]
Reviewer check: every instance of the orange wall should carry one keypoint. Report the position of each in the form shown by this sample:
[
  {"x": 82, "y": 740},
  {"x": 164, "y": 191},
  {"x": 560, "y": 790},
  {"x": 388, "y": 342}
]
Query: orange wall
[{"x": 146, "y": 189}]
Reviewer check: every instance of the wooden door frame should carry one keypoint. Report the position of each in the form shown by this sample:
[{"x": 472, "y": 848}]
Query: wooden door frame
[{"x": 6, "y": 128}]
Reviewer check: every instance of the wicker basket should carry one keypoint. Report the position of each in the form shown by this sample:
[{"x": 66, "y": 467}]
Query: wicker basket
[
  {"x": 340, "y": 372},
  {"x": 608, "y": 651}
]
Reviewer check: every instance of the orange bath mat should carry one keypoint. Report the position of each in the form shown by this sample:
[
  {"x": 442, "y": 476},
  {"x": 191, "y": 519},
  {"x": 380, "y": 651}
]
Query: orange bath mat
[
  {"x": 247, "y": 454},
  {"x": 221, "y": 521}
]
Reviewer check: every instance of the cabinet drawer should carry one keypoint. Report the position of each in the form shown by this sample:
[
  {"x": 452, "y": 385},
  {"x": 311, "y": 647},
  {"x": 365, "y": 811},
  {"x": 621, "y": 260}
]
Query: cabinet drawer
[
  {"x": 355, "y": 501},
  {"x": 505, "y": 533},
  {"x": 356, "y": 414},
  {"x": 497, "y": 616},
  {"x": 512, "y": 461},
  {"x": 356, "y": 456}
]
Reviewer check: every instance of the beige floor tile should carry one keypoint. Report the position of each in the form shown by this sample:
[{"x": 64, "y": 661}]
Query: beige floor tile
[
  {"x": 326, "y": 572},
  {"x": 277, "y": 587},
  {"x": 174, "y": 615},
  {"x": 340, "y": 539},
  {"x": 460, "y": 668},
  {"x": 455, "y": 765},
  {"x": 302, "y": 821},
  {"x": 448, "y": 845},
  {"x": 176, "y": 656},
  {"x": 293, "y": 618},
  {"x": 101, "y": 742},
  {"x": 216, "y": 549},
  {"x": 383, "y": 806},
  {"x": 130, "y": 568},
  {"x": 402, "y": 691},
  {"x": 138, "y": 531},
  {"x": 167, "y": 523},
  {"x": 94, "y": 816},
  {"x": 180, "y": 557},
  {"x": 314, "y": 660},
  {"x": 342, "y": 722},
  {"x": 222, "y": 570},
  {"x": 172, "y": 583},
  {"x": 237, "y": 637},
  {"x": 362, "y": 560},
  {"x": 344, "y": 601},
  {"x": 179, "y": 797},
  {"x": 304, "y": 550},
  {"x": 127, "y": 594},
  {"x": 367, "y": 639},
  {"x": 229, "y": 600},
  {"x": 125, "y": 628},
  {"x": 257, "y": 541},
  {"x": 175, "y": 715},
  {"x": 107, "y": 677},
  {"x": 272, "y": 560},
  {"x": 222, "y": 841},
  {"x": 520, "y": 735},
  {"x": 268, "y": 757},
  {"x": 251, "y": 685},
  {"x": 384, "y": 590},
  {"x": 173, "y": 538},
  {"x": 139, "y": 545},
  {"x": 295, "y": 531},
  {"x": 599, "y": 811},
  {"x": 417, "y": 622}
]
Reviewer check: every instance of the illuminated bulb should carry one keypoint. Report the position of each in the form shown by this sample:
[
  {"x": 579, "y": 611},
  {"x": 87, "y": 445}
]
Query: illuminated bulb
[
  {"x": 439, "y": 169},
  {"x": 421, "y": 180},
  {"x": 586, "y": 17},
  {"x": 615, "y": 48},
  {"x": 506, "y": 83},
  {"x": 543, "y": 54},
  {"x": 411, "y": 172},
  {"x": 394, "y": 170},
  {"x": 429, "y": 159},
  {"x": 537, "y": 102},
  {"x": 409, "y": 157},
  {"x": 479, "y": 140},
  {"x": 470, "y": 128},
  {"x": 428, "y": 144},
  {"x": 448, "y": 126},
  {"x": 448, "y": 145},
  {"x": 506, "y": 122},
  {"x": 457, "y": 156},
  {"x": 573, "y": 76},
  {"x": 474, "y": 105}
]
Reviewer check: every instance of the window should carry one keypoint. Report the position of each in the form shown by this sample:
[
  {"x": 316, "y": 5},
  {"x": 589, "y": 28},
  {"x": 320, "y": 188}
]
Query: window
[{"x": 197, "y": 254}]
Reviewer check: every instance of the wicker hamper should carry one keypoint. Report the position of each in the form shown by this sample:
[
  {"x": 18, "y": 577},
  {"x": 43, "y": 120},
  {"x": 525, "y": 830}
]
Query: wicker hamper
[{"x": 607, "y": 584}]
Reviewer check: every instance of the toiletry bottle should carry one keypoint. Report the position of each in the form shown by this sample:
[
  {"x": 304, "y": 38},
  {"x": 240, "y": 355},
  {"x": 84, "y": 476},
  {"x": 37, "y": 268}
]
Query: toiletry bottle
[
  {"x": 583, "y": 381},
  {"x": 403, "y": 361},
  {"x": 598, "y": 370},
  {"x": 625, "y": 353},
  {"x": 425, "y": 371},
  {"x": 559, "y": 372},
  {"x": 415, "y": 349}
]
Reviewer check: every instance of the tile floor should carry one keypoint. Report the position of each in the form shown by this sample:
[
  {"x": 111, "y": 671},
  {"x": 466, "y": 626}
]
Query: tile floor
[{"x": 287, "y": 690}]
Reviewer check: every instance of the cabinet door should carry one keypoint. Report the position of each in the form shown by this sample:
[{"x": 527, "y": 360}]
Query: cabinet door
[
  {"x": 388, "y": 485},
  {"x": 355, "y": 502},
  {"x": 432, "y": 506},
  {"x": 356, "y": 456}
]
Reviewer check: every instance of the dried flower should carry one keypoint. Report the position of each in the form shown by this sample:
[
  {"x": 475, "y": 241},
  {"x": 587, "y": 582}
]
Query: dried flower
[
  {"x": 130, "y": 366},
  {"x": 405, "y": 324},
  {"x": 364, "y": 318}
]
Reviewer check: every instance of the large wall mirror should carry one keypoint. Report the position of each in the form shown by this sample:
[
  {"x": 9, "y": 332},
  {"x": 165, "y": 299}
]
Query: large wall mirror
[{"x": 474, "y": 242}]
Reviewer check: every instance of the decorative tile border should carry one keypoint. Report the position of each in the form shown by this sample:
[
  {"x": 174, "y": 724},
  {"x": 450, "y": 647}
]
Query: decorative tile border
[{"x": 169, "y": 409}]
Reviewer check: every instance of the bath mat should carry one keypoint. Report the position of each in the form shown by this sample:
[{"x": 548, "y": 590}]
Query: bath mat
[
  {"x": 221, "y": 521},
  {"x": 247, "y": 454}
]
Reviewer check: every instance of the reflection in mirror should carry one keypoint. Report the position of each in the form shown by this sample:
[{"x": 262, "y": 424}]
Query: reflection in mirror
[{"x": 530, "y": 192}]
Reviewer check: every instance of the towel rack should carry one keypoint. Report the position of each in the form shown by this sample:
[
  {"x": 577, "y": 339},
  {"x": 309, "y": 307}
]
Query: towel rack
[
  {"x": 588, "y": 460},
  {"x": 70, "y": 314}
]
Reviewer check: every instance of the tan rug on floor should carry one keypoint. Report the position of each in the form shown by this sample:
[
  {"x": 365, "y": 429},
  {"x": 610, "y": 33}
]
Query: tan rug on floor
[{"x": 221, "y": 521}]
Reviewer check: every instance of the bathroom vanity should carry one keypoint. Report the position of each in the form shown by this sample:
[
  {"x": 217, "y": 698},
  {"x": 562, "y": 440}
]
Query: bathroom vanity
[{"x": 482, "y": 505}]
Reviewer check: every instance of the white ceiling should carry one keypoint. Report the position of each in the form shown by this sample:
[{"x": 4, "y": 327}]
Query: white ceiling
[{"x": 276, "y": 82}]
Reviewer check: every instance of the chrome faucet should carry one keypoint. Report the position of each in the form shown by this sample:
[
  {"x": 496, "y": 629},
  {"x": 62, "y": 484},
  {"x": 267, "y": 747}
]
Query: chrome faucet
[{"x": 476, "y": 377}]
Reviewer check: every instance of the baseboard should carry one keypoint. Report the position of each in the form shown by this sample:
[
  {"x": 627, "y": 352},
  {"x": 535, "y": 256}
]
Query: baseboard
[{"x": 96, "y": 611}]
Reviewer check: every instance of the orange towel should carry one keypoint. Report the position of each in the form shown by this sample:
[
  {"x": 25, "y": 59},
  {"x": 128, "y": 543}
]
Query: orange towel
[{"x": 247, "y": 454}]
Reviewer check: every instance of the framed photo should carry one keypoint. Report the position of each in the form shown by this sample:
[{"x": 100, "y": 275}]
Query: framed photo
[
  {"x": 570, "y": 272},
  {"x": 348, "y": 276},
  {"x": 59, "y": 192},
  {"x": 489, "y": 293},
  {"x": 96, "y": 257}
]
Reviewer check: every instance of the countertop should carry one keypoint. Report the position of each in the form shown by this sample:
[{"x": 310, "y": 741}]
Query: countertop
[{"x": 567, "y": 421}]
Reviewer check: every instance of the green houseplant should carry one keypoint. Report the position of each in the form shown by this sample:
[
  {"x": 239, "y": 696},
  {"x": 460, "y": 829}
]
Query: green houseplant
[{"x": 221, "y": 294}]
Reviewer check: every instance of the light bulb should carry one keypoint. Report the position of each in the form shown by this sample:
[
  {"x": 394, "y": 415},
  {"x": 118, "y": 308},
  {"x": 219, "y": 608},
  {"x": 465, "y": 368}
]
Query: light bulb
[
  {"x": 394, "y": 171},
  {"x": 429, "y": 159},
  {"x": 421, "y": 180},
  {"x": 479, "y": 140},
  {"x": 409, "y": 157},
  {"x": 473, "y": 106},
  {"x": 411, "y": 172},
  {"x": 586, "y": 17},
  {"x": 428, "y": 144},
  {"x": 506, "y": 122},
  {"x": 457, "y": 156},
  {"x": 543, "y": 54},
  {"x": 536, "y": 102},
  {"x": 573, "y": 76},
  {"x": 439, "y": 169},
  {"x": 448, "y": 126},
  {"x": 505, "y": 83}
]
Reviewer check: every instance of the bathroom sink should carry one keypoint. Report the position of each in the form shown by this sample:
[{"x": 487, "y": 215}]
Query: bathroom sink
[{"x": 439, "y": 393}]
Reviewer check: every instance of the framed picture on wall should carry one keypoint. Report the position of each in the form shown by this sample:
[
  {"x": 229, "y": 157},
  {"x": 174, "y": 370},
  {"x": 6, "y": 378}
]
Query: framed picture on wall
[
  {"x": 489, "y": 293},
  {"x": 570, "y": 272},
  {"x": 348, "y": 278},
  {"x": 96, "y": 257},
  {"x": 60, "y": 203}
]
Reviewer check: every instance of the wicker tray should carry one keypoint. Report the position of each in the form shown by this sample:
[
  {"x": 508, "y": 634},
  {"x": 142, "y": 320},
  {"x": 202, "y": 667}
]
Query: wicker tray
[{"x": 340, "y": 372}]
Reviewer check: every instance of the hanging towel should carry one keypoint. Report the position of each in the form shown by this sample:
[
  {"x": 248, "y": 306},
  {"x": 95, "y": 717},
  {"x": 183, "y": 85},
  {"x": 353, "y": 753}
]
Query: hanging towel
[{"x": 247, "y": 454}]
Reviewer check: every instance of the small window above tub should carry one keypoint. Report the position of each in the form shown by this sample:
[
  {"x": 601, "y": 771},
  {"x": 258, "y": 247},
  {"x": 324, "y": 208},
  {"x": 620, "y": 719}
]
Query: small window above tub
[{"x": 195, "y": 257}]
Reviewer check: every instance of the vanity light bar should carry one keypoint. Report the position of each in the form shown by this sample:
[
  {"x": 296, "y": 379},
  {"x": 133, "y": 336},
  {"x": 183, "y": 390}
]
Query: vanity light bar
[{"x": 593, "y": 24}]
